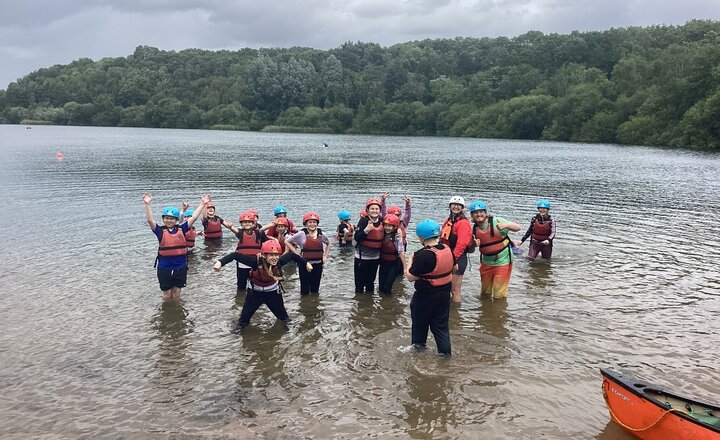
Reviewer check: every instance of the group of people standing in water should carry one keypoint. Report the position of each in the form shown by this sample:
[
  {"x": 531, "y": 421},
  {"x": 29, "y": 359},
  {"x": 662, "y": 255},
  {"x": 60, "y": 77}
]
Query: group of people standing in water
[{"x": 380, "y": 242}]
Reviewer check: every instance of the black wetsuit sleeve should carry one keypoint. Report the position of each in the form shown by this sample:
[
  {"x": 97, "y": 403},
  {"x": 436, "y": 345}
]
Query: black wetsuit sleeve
[
  {"x": 248, "y": 260},
  {"x": 360, "y": 234},
  {"x": 528, "y": 233},
  {"x": 291, "y": 256}
]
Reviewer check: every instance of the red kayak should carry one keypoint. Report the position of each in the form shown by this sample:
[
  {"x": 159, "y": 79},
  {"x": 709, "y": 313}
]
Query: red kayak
[{"x": 649, "y": 412}]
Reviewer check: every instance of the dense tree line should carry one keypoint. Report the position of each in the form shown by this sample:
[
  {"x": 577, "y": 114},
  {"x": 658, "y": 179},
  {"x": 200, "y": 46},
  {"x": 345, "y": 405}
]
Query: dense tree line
[{"x": 658, "y": 85}]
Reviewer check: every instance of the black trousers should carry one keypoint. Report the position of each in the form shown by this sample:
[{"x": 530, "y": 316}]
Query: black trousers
[
  {"x": 365, "y": 274},
  {"x": 387, "y": 274},
  {"x": 431, "y": 311},
  {"x": 254, "y": 299},
  {"x": 242, "y": 277},
  {"x": 310, "y": 281}
]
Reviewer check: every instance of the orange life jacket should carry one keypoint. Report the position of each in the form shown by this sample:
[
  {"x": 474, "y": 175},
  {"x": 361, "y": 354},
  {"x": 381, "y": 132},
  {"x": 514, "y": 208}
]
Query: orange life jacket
[
  {"x": 190, "y": 237},
  {"x": 389, "y": 252},
  {"x": 491, "y": 243},
  {"x": 212, "y": 227},
  {"x": 249, "y": 244},
  {"x": 541, "y": 229},
  {"x": 172, "y": 245},
  {"x": 442, "y": 273},
  {"x": 312, "y": 250},
  {"x": 374, "y": 239}
]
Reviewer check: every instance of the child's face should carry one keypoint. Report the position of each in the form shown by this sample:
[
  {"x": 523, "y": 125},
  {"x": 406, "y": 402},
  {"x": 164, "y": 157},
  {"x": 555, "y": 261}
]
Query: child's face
[
  {"x": 272, "y": 259},
  {"x": 170, "y": 222},
  {"x": 247, "y": 225},
  {"x": 388, "y": 228},
  {"x": 281, "y": 229},
  {"x": 281, "y": 215},
  {"x": 210, "y": 211},
  {"x": 373, "y": 211},
  {"x": 543, "y": 211},
  {"x": 311, "y": 225}
]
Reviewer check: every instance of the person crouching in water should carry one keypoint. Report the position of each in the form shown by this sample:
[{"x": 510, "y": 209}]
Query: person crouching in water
[
  {"x": 345, "y": 230},
  {"x": 369, "y": 235},
  {"x": 171, "y": 260},
  {"x": 456, "y": 232},
  {"x": 264, "y": 281},
  {"x": 490, "y": 237},
  {"x": 431, "y": 269},
  {"x": 541, "y": 232},
  {"x": 315, "y": 247},
  {"x": 392, "y": 251},
  {"x": 249, "y": 242}
]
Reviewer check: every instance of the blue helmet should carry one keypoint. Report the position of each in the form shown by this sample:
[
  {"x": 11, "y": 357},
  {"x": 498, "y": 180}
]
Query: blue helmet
[
  {"x": 171, "y": 211},
  {"x": 280, "y": 209},
  {"x": 189, "y": 213},
  {"x": 427, "y": 229},
  {"x": 543, "y": 204},
  {"x": 344, "y": 215},
  {"x": 478, "y": 206}
]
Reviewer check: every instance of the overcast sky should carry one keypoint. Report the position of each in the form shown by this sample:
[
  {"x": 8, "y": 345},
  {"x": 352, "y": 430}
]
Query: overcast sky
[{"x": 40, "y": 33}]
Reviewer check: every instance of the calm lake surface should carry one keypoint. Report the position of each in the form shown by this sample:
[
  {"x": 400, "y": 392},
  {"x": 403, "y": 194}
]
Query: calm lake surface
[{"x": 88, "y": 349}]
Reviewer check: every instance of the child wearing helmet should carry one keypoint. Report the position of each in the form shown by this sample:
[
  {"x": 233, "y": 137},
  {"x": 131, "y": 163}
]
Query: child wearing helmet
[
  {"x": 430, "y": 268},
  {"x": 280, "y": 212},
  {"x": 171, "y": 261},
  {"x": 369, "y": 235},
  {"x": 213, "y": 224},
  {"x": 314, "y": 247},
  {"x": 490, "y": 235},
  {"x": 345, "y": 230},
  {"x": 392, "y": 253},
  {"x": 264, "y": 280},
  {"x": 541, "y": 232},
  {"x": 249, "y": 243},
  {"x": 191, "y": 235},
  {"x": 456, "y": 232}
]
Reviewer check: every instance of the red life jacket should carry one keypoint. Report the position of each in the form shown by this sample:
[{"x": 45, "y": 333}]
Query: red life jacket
[
  {"x": 374, "y": 239},
  {"x": 190, "y": 237},
  {"x": 442, "y": 273},
  {"x": 312, "y": 250},
  {"x": 347, "y": 234},
  {"x": 490, "y": 244},
  {"x": 389, "y": 252},
  {"x": 172, "y": 245},
  {"x": 541, "y": 229},
  {"x": 212, "y": 227},
  {"x": 261, "y": 280},
  {"x": 249, "y": 244},
  {"x": 403, "y": 234},
  {"x": 448, "y": 231}
]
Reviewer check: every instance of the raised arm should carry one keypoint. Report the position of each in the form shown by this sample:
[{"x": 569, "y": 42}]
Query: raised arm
[
  {"x": 204, "y": 200},
  {"x": 147, "y": 199}
]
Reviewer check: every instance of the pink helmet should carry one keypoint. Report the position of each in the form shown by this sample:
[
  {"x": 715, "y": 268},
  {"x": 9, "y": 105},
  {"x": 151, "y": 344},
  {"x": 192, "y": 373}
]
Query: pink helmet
[
  {"x": 373, "y": 201},
  {"x": 271, "y": 247},
  {"x": 311, "y": 216},
  {"x": 395, "y": 210},
  {"x": 392, "y": 219},
  {"x": 247, "y": 216}
]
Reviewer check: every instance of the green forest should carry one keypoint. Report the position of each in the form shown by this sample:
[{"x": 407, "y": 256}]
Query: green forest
[{"x": 657, "y": 85}]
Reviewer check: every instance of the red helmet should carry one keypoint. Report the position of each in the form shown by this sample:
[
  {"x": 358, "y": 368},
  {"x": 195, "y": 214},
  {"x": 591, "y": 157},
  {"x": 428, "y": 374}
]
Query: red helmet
[
  {"x": 373, "y": 201},
  {"x": 392, "y": 219},
  {"x": 363, "y": 213},
  {"x": 254, "y": 213},
  {"x": 395, "y": 210},
  {"x": 311, "y": 216},
  {"x": 210, "y": 205},
  {"x": 282, "y": 221},
  {"x": 271, "y": 247},
  {"x": 247, "y": 216}
]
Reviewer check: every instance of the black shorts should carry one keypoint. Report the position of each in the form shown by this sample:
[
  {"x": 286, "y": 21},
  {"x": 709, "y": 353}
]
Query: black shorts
[
  {"x": 172, "y": 278},
  {"x": 462, "y": 264}
]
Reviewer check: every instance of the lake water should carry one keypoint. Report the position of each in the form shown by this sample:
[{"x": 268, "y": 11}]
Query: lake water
[{"x": 88, "y": 349}]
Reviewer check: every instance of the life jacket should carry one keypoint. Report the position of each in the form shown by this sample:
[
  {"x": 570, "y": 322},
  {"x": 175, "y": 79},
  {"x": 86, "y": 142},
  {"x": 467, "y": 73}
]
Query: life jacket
[
  {"x": 172, "y": 245},
  {"x": 262, "y": 280},
  {"x": 374, "y": 239},
  {"x": 346, "y": 236},
  {"x": 542, "y": 228},
  {"x": 281, "y": 239},
  {"x": 403, "y": 234},
  {"x": 389, "y": 252},
  {"x": 490, "y": 244},
  {"x": 447, "y": 236},
  {"x": 442, "y": 273},
  {"x": 212, "y": 227},
  {"x": 312, "y": 250},
  {"x": 249, "y": 244},
  {"x": 190, "y": 237}
]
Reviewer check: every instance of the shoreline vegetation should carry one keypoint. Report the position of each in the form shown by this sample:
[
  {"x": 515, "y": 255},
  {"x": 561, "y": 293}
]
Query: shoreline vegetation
[{"x": 656, "y": 86}]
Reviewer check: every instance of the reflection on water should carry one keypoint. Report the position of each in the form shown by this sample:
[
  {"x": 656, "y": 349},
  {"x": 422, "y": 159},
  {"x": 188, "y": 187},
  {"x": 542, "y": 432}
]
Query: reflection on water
[{"x": 76, "y": 361}]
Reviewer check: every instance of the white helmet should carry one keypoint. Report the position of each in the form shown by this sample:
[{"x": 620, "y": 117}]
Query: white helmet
[{"x": 457, "y": 199}]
